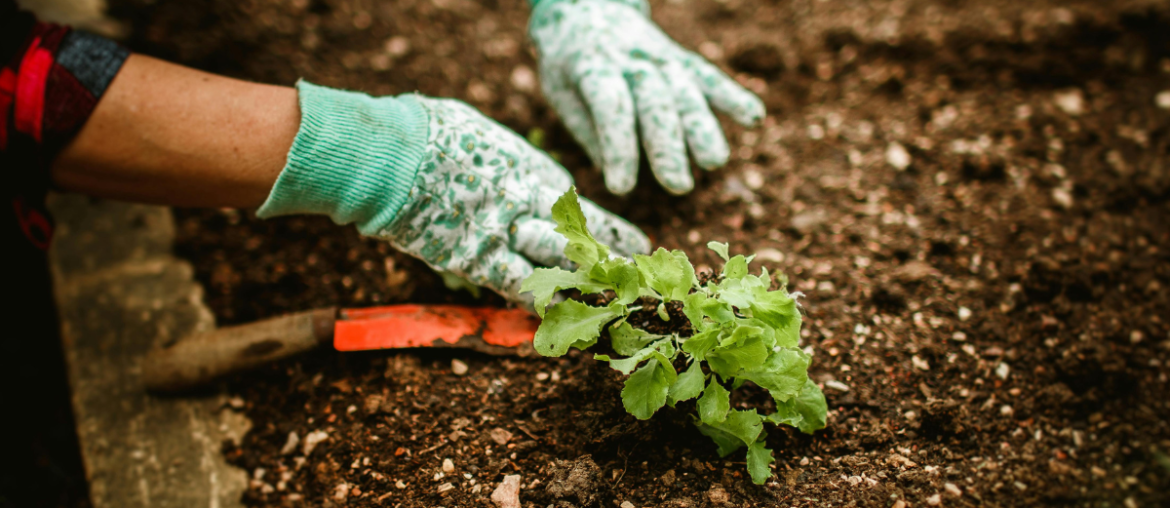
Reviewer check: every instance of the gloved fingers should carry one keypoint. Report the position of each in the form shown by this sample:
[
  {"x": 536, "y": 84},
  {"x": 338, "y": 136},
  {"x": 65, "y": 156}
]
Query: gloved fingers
[
  {"x": 537, "y": 240},
  {"x": 623, "y": 238},
  {"x": 549, "y": 172},
  {"x": 501, "y": 270},
  {"x": 612, "y": 106},
  {"x": 573, "y": 113},
  {"x": 723, "y": 92},
  {"x": 660, "y": 126},
  {"x": 704, "y": 134}
]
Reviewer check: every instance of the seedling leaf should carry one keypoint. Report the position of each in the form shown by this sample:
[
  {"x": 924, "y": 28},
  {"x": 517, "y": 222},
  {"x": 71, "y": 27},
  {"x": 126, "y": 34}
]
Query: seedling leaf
[
  {"x": 627, "y": 340},
  {"x": 667, "y": 272},
  {"x": 714, "y": 403},
  {"x": 582, "y": 248},
  {"x": 758, "y": 458},
  {"x": 544, "y": 282},
  {"x": 646, "y": 390},
  {"x": 688, "y": 386},
  {"x": 784, "y": 374},
  {"x": 568, "y": 323},
  {"x": 807, "y": 411}
]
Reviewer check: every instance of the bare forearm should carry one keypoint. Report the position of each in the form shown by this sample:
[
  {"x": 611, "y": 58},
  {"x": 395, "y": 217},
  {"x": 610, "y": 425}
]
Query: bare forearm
[{"x": 168, "y": 134}]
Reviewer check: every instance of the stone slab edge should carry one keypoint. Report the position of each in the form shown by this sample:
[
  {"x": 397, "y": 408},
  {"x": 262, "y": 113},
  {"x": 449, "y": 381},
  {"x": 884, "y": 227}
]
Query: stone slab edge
[{"x": 120, "y": 291}]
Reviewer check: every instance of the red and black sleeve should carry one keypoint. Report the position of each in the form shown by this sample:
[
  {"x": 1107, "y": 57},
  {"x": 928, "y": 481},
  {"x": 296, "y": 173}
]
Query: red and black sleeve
[{"x": 51, "y": 78}]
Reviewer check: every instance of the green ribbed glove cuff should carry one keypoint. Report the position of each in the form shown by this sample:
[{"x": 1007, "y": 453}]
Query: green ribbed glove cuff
[{"x": 354, "y": 158}]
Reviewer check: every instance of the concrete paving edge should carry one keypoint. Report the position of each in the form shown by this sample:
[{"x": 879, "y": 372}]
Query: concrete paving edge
[{"x": 120, "y": 291}]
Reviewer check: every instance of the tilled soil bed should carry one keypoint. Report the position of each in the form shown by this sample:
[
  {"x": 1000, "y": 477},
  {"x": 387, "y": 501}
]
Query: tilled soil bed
[{"x": 973, "y": 197}]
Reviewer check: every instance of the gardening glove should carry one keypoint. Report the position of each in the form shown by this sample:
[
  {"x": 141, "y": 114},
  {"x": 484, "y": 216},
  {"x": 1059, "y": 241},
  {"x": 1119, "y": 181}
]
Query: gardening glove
[
  {"x": 437, "y": 180},
  {"x": 604, "y": 63}
]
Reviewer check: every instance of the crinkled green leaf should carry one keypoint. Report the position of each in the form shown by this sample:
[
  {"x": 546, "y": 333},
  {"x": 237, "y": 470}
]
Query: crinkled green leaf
[
  {"x": 729, "y": 361},
  {"x": 665, "y": 365},
  {"x": 688, "y": 386},
  {"x": 728, "y": 443},
  {"x": 627, "y": 340},
  {"x": 741, "y": 334},
  {"x": 807, "y": 411},
  {"x": 784, "y": 373},
  {"x": 714, "y": 403},
  {"x": 668, "y": 272},
  {"x": 719, "y": 248},
  {"x": 758, "y": 458},
  {"x": 747, "y": 425},
  {"x": 568, "y": 323},
  {"x": 700, "y": 344},
  {"x": 776, "y": 308},
  {"x": 788, "y": 333},
  {"x": 736, "y": 268},
  {"x": 620, "y": 275},
  {"x": 697, "y": 306},
  {"x": 646, "y": 389},
  {"x": 582, "y": 248},
  {"x": 544, "y": 282}
]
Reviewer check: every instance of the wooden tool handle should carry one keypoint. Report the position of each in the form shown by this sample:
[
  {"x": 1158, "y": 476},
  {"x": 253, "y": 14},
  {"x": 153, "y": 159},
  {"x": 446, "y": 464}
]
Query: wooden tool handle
[{"x": 201, "y": 358}]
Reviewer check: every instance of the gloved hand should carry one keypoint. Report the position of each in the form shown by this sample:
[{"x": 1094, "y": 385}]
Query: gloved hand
[
  {"x": 604, "y": 63},
  {"x": 436, "y": 179}
]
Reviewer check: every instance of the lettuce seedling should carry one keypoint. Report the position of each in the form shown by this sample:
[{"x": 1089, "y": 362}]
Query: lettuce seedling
[{"x": 743, "y": 331}]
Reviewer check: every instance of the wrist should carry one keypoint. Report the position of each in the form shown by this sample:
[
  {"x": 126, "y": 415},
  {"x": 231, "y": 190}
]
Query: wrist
[{"x": 354, "y": 158}]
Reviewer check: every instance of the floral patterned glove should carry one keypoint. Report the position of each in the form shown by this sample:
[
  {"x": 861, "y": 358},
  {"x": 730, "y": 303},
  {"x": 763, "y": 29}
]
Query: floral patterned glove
[
  {"x": 436, "y": 179},
  {"x": 604, "y": 63}
]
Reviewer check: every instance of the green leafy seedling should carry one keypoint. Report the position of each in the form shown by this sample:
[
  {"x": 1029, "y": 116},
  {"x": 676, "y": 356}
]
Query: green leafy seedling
[{"x": 743, "y": 331}]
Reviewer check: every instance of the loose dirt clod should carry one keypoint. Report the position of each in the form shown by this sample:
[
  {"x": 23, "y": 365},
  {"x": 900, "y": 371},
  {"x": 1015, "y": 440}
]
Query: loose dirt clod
[{"x": 579, "y": 480}]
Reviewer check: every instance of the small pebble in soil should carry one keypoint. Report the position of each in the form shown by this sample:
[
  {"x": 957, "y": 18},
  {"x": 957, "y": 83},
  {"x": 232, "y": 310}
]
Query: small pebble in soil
[
  {"x": 501, "y": 436},
  {"x": 919, "y": 363},
  {"x": 627, "y": 504},
  {"x": 953, "y": 489},
  {"x": 291, "y": 444},
  {"x": 964, "y": 313},
  {"x": 542, "y": 376},
  {"x": 897, "y": 156},
  {"x": 448, "y": 466},
  {"x": 458, "y": 367},
  {"x": 1003, "y": 371},
  {"x": 836, "y": 385},
  {"x": 959, "y": 336},
  {"x": 507, "y": 494},
  {"x": 1006, "y": 410},
  {"x": 341, "y": 492},
  {"x": 1070, "y": 101},
  {"x": 899, "y": 504},
  {"x": 1163, "y": 99},
  {"x": 934, "y": 500},
  {"x": 312, "y": 440},
  {"x": 770, "y": 255}
]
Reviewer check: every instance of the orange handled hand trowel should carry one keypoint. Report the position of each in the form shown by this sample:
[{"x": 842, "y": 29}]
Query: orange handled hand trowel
[{"x": 201, "y": 358}]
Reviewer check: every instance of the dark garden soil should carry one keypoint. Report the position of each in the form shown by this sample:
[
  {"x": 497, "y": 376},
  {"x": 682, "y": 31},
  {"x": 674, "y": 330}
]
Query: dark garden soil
[{"x": 974, "y": 196}]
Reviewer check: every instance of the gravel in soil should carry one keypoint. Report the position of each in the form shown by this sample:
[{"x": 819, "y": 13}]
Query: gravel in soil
[{"x": 973, "y": 197}]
